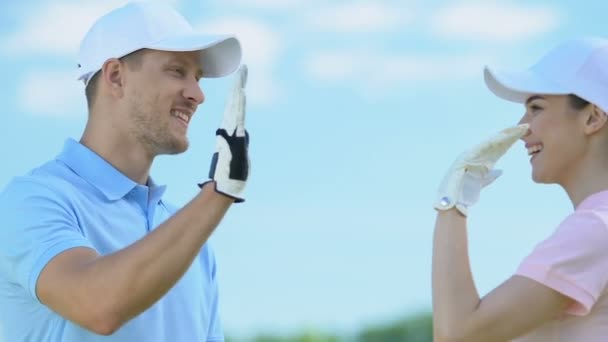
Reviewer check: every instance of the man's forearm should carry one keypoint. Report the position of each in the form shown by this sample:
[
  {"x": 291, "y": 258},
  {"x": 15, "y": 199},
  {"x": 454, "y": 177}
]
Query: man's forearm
[
  {"x": 455, "y": 297},
  {"x": 133, "y": 279}
]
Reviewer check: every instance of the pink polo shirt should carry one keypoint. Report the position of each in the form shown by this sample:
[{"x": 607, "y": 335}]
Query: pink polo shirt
[{"x": 574, "y": 262}]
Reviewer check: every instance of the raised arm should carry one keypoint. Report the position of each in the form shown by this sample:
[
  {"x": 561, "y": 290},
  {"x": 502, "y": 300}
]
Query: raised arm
[
  {"x": 101, "y": 293},
  {"x": 459, "y": 314}
]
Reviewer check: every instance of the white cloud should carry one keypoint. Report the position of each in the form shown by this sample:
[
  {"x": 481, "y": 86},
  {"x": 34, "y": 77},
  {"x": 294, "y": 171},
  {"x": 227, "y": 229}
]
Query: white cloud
[
  {"x": 381, "y": 71},
  {"x": 377, "y": 76},
  {"x": 364, "y": 16},
  {"x": 260, "y": 43},
  {"x": 268, "y": 4},
  {"x": 57, "y": 27},
  {"x": 493, "y": 21},
  {"x": 428, "y": 68},
  {"x": 261, "y": 50},
  {"x": 335, "y": 66},
  {"x": 54, "y": 93}
]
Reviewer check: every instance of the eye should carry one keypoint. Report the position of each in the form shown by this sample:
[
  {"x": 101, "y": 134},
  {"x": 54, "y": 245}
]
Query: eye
[
  {"x": 179, "y": 71},
  {"x": 535, "y": 108}
]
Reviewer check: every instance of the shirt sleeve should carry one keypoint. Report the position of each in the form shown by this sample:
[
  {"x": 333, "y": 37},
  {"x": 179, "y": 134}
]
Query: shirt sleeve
[
  {"x": 37, "y": 226},
  {"x": 215, "y": 332},
  {"x": 572, "y": 261}
]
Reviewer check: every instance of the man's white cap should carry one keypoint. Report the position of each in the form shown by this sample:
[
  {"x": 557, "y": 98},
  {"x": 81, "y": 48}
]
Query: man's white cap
[
  {"x": 578, "y": 67},
  {"x": 151, "y": 25}
]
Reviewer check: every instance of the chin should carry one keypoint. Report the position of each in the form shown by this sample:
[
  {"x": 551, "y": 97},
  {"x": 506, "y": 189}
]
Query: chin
[
  {"x": 177, "y": 146},
  {"x": 181, "y": 148},
  {"x": 536, "y": 178},
  {"x": 539, "y": 178}
]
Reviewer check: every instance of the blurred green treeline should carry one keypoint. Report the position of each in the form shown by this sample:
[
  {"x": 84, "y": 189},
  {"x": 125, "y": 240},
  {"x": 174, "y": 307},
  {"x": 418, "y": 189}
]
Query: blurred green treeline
[{"x": 415, "y": 328}]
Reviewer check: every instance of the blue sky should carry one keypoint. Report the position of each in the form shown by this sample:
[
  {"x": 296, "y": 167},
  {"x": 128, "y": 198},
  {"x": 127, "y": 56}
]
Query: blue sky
[{"x": 356, "y": 110}]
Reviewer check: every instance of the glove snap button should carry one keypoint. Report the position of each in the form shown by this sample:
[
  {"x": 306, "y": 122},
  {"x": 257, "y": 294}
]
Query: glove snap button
[{"x": 445, "y": 201}]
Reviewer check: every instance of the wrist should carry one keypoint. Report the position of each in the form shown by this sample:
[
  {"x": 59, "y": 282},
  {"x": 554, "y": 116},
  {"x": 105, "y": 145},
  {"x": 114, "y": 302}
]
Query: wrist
[
  {"x": 452, "y": 213},
  {"x": 209, "y": 189}
]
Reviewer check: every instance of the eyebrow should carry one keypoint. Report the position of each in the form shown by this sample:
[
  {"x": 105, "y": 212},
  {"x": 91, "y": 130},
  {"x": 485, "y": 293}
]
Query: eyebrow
[{"x": 535, "y": 97}]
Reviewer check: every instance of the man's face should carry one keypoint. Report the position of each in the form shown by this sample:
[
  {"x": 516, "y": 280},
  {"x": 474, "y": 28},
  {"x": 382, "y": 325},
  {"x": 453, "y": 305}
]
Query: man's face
[{"x": 162, "y": 94}]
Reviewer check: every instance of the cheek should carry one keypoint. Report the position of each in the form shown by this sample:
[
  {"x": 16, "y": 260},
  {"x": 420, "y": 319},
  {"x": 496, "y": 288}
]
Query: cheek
[
  {"x": 156, "y": 94},
  {"x": 563, "y": 142},
  {"x": 154, "y": 100},
  {"x": 545, "y": 126},
  {"x": 165, "y": 94}
]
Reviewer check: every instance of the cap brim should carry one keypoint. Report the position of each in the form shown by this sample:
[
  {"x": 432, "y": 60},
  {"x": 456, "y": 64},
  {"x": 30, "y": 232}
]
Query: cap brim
[
  {"x": 519, "y": 86},
  {"x": 220, "y": 55}
]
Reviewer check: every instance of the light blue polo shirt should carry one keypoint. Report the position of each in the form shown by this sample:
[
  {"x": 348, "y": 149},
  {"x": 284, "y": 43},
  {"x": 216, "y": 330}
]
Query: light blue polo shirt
[{"x": 80, "y": 200}]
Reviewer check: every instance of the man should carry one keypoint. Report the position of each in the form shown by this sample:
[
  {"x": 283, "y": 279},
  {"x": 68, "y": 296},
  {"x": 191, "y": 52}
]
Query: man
[{"x": 89, "y": 249}]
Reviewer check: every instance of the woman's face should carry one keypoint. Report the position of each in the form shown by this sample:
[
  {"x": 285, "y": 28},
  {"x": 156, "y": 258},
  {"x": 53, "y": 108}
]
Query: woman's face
[{"x": 555, "y": 141}]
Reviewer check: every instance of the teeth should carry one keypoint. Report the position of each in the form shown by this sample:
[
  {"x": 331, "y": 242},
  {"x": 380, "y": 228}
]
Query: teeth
[
  {"x": 534, "y": 149},
  {"x": 180, "y": 115}
]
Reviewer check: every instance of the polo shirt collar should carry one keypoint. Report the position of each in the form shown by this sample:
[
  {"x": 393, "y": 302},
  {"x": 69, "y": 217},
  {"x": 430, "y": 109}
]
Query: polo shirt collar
[{"x": 97, "y": 171}]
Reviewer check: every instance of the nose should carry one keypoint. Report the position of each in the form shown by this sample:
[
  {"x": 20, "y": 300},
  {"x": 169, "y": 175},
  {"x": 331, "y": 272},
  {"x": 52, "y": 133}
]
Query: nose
[
  {"x": 524, "y": 119},
  {"x": 194, "y": 93}
]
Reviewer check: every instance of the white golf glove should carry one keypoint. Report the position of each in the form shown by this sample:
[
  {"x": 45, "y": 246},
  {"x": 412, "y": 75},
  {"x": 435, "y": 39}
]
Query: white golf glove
[
  {"x": 474, "y": 169},
  {"x": 230, "y": 163}
]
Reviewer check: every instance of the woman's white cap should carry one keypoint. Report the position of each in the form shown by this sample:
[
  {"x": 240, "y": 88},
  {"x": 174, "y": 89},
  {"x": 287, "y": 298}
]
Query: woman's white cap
[{"x": 578, "y": 67}]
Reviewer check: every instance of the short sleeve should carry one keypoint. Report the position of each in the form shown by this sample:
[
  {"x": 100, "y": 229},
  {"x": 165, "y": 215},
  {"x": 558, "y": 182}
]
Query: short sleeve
[
  {"x": 37, "y": 225},
  {"x": 573, "y": 261}
]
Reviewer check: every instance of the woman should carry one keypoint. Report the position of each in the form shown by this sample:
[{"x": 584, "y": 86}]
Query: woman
[{"x": 559, "y": 291}]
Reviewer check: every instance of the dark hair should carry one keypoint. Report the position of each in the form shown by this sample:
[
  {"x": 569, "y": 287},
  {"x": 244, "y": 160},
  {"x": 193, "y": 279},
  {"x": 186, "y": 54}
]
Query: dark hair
[
  {"x": 577, "y": 103},
  {"x": 91, "y": 89},
  {"x": 133, "y": 61}
]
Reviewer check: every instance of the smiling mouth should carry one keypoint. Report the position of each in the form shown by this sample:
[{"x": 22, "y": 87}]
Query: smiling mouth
[
  {"x": 181, "y": 116},
  {"x": 534, "y": 150}
]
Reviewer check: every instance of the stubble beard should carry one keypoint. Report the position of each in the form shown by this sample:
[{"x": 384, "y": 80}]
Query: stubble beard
[{"x": 152, "y": 129}]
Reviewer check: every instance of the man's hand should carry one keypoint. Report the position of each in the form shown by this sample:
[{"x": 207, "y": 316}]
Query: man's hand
[
  {"x": 230, "y": 163},
  {"x": 473, "y": 170}
]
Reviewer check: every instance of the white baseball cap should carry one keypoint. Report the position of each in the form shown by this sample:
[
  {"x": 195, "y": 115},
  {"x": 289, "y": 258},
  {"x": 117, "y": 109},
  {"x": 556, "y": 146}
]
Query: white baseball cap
[
  {"x": 578, "y": 67},
  {"x": 152, "y": 25}
]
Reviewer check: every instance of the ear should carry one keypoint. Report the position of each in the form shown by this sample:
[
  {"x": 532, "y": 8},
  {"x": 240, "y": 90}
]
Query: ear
[
  {"x": 113, "y": 73},
  {"x": 595, "y": 119}
]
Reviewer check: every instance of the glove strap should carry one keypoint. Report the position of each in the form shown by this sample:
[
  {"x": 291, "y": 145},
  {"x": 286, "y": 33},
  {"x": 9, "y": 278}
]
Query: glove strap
[
  {"x": 239, "y": 166},
  {"x": 236, "y": 199}
]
